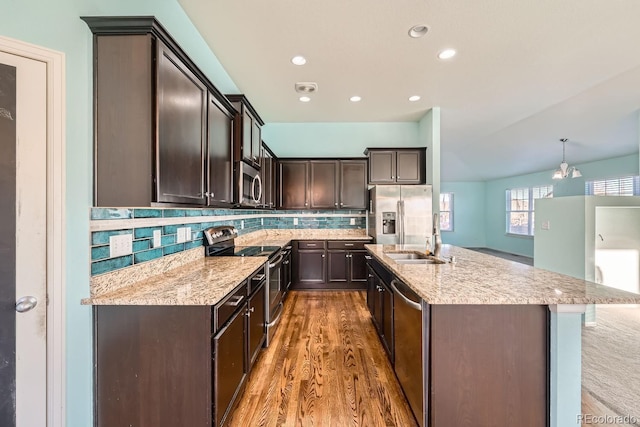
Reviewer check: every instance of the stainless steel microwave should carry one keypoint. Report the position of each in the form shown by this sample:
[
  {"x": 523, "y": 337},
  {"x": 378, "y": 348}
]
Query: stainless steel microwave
[{"x": 249, "y": 185}]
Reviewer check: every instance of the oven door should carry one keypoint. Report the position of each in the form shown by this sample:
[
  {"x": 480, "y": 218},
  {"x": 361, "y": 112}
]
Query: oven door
[
  {"x": 249, "y": 185},
  {"x": 275, "y": 284}
]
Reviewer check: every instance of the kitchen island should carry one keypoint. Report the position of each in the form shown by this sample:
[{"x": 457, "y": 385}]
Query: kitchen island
[{"x": 499, "y": 341}]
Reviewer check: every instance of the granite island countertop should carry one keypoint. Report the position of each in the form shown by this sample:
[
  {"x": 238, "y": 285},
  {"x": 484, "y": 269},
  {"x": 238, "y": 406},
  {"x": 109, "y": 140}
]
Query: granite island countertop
[
  {"x": 204, "y": 281},
  {"x": 477, "y": 278}
]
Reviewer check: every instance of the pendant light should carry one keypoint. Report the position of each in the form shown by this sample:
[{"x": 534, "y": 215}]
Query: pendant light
[{"x": 564, "y": 170}]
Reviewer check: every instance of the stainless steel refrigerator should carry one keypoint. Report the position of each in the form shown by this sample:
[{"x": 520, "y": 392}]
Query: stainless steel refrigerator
[{"x": 400, "y": 214}]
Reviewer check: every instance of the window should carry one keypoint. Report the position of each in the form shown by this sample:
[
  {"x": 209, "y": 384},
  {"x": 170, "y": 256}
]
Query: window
[
  {"x": 446, "y": 211},
  {"x": 520, "y": 208},
  {"x": 625, "y": 186}
]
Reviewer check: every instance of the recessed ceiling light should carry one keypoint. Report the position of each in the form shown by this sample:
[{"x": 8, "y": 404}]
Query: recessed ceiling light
[
  {"x": 355, "y": 98},
  {"x": 299, "y": 60},
  {"x": 418, "y": 31},
  {"x": 305, "y": 99},
  {"x": 414, "y": 98},
  {"x": 447, "y": 54}
]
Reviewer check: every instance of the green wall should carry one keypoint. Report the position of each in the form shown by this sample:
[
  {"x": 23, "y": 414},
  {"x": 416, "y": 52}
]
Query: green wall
[
  {"x": 468, "y": 214},
  {"x": 57, "y": 25},
  {"x": 337, "y": 139}
]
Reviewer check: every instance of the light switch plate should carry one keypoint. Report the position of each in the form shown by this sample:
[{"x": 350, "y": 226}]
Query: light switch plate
[
  {"x": 261, "y": 221},
  {"x": 242, "y": 224},
  {"x": 546, "y": 225},
  {"x": 181, "y": 235},
  {"x": 157, "y": 238},
  {"x": 352, "y": 221},
  {"x": 295, "y": 221},
  {"x": 121, "y": 244}
]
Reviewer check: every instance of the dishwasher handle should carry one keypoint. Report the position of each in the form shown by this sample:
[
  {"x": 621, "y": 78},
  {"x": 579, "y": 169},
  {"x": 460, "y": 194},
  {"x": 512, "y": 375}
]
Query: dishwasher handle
[{"x": 396, "y": 291}]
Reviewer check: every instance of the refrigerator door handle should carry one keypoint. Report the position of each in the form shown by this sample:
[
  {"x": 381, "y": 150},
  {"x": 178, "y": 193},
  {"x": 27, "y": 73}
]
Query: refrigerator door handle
[{"x": 400, "y": 222}]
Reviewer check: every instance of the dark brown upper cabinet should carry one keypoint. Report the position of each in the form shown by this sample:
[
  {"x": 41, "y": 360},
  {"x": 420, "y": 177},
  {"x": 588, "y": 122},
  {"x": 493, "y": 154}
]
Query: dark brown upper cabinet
[
  {"x": 248, "y": 131},
  {"x": 268, "y": 174},
  {"x": 396, "y": 166},
  {"x": 353, "y": 184},
  {"x": 293, "y": 179},
  {"x": 181, "y": 143},
  {"x": 220, "y": 153},
  {"x": 158, "y": 138},
  {"x": 323, "y": 184}
]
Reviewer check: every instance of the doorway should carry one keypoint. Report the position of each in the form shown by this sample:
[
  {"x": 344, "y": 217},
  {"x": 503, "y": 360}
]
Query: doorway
[{"x": 31, "y": 235}]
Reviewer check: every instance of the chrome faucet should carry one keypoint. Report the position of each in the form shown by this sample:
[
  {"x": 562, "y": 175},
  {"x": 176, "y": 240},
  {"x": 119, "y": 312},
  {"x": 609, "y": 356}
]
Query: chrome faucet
[{"x": 437, "y": 241}]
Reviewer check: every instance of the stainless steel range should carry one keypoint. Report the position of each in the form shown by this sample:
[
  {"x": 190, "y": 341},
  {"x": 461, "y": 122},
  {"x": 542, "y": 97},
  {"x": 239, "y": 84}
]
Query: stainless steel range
[{"x": 220, "y": 241}]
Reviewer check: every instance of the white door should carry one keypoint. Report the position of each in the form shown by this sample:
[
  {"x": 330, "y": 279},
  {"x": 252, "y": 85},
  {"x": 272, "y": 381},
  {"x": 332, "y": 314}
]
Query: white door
[{"x": 23, "y": 233}]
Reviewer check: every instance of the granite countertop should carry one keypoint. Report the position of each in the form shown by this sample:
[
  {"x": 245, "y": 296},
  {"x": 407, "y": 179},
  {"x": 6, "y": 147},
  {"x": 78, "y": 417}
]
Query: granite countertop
[
  {"x": 202, "y": 282},
  {"x": 188, "y": 278},
  {"x": 285, "y": 236},
  {"x": 477, "y": 278}
]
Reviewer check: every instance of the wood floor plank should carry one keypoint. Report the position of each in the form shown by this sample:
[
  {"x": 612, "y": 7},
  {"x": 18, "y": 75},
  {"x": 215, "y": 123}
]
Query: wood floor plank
[{"x": 324, "y": 367}]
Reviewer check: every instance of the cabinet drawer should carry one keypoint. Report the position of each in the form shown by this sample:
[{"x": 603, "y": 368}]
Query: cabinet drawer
[
  {"x": 223, "y": 311},
  {"x": 338, "y": 244},
  {"x": 311, "y": 244}
]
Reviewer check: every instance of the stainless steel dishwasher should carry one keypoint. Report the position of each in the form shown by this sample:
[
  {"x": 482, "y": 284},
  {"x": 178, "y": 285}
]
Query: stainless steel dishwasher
[{"x": 409, "y": 341}]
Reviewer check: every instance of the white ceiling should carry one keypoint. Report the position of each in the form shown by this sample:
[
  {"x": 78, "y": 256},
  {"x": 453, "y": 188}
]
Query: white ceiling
[{"x": 527, "y": 73}]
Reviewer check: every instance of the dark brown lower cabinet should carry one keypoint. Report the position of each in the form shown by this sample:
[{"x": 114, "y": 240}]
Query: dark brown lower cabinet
[
  {"x": 481, "y": 364},
  {"x": 329, "y": 265},
  {"x": 380, "y": 302},
  {"x": 229, "y": 349},
  {"x": 167, "y": 366},
  {"x": 153, "y": 366}
]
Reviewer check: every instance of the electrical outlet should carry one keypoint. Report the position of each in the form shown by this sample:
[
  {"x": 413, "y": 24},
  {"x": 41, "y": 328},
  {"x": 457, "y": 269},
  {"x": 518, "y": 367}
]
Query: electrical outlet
[
  {"x": 295, "y": 221},
  {"x": 261, "y": 221},
  {"x": 352, "y": 221},
  {"x": 120, "y": 245},
  {"x": 157, "y": 238},
  {"x": 187, "y": 234},
  {"x": 182, "y": 235},
  {"x": 242, "y": 224}
]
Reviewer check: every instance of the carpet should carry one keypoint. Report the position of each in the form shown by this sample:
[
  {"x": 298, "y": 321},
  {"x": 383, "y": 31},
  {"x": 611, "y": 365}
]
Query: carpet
[{"x": 611, "y": 359}]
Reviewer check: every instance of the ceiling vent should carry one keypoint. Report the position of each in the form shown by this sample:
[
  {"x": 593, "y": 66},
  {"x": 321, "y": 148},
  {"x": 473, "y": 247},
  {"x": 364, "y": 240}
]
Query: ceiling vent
[{"x": 306, "y": 87}]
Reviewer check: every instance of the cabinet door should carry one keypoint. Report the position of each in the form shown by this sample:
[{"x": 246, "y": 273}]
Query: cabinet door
[
  {"x": 220, "y": 148},
  {"x": 182, "y": 106},
  {"x": 338, "y": 266},
  {"x": 266, "y": 170},
  {"x": 311, "y": 267},
  {"x": 256, "y": 140},
  {"x": 353, "y": 184},
  {"x": 323, "y": 184},
  {"x": 382, "y": 167},
  {"x": 409, "y": 167},
  {"x": 256, "y": 322},
  {"x": 293, "y": 184},
  {"x": 357, "y": 267},
  {"x": 229, "y": 364},
  {"x": 247, "y": 126},
  {"x": 386, "y": 317},
  {"x": 371, "y": 290}
]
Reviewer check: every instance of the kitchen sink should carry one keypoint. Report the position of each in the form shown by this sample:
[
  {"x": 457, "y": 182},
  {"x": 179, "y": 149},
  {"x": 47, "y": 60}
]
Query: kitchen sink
[
  {"x": 406, "y": 255},
  {"x": 413, "y": 258},
  {"x": 420, "y": 261}
]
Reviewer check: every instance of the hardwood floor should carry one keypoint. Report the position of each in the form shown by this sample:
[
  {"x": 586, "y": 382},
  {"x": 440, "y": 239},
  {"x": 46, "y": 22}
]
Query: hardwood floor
[{"x": 324, "y": 367}]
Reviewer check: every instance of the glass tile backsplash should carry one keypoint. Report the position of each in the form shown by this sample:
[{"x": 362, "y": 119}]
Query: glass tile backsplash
[{"x": 142, "y": 222}]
